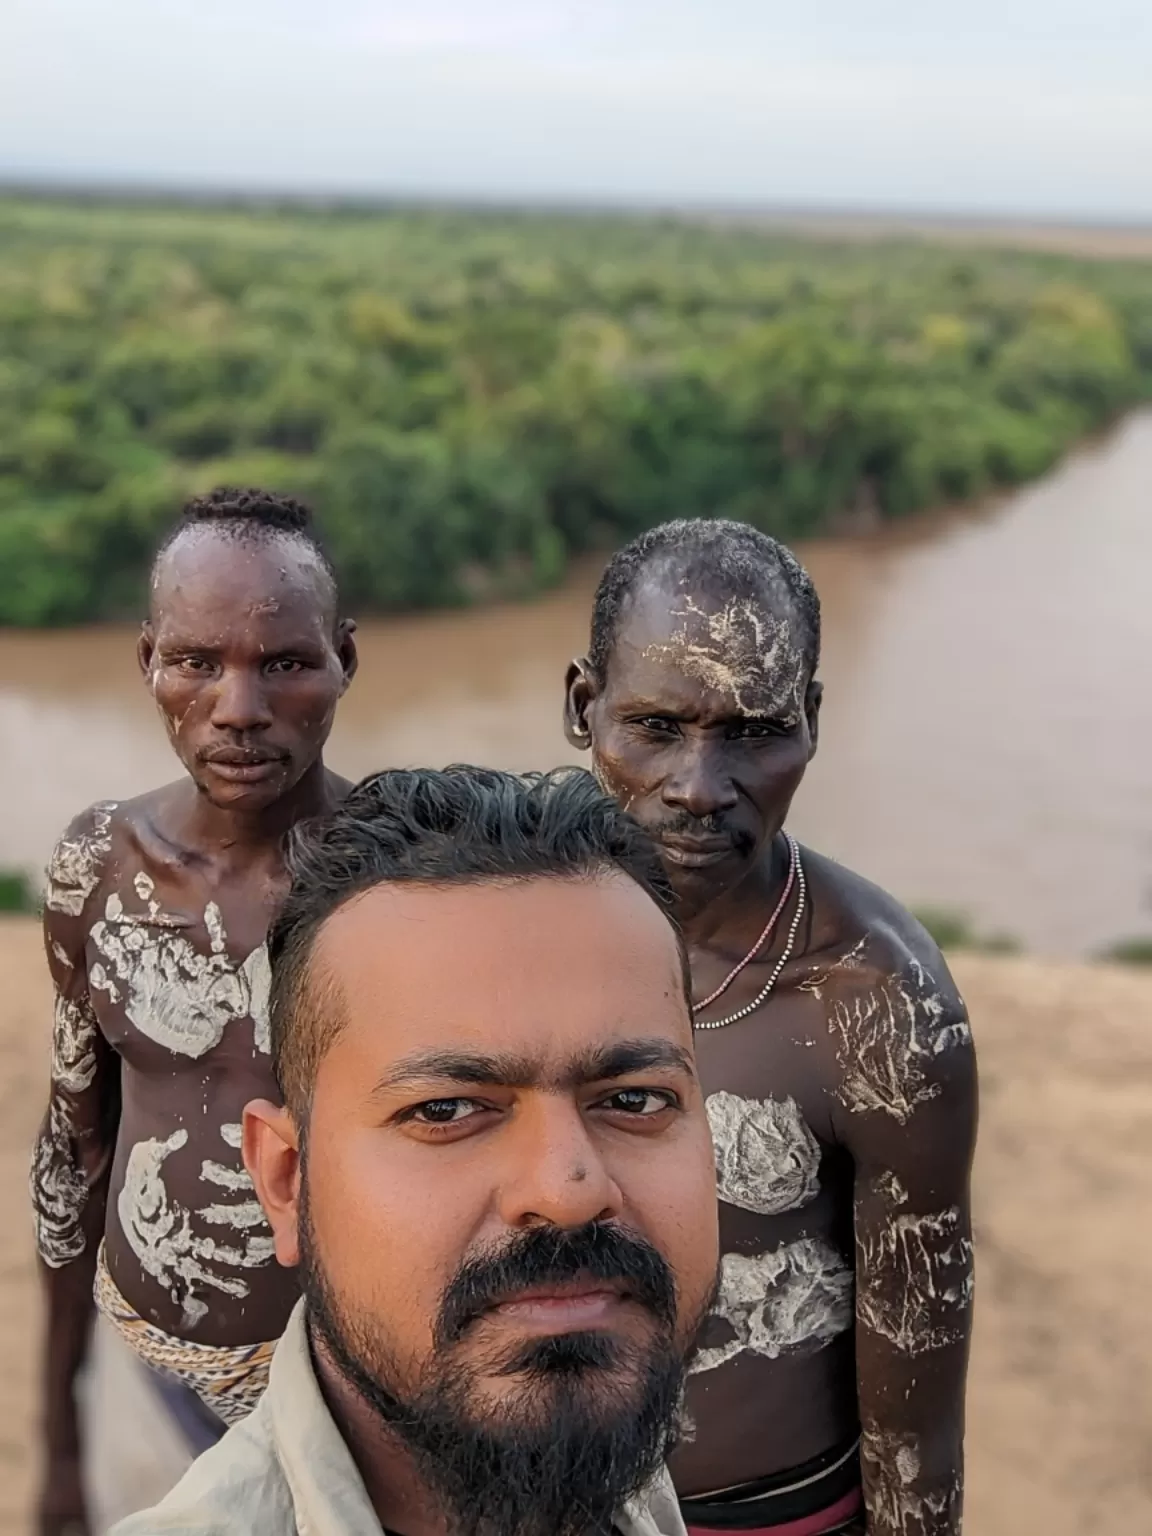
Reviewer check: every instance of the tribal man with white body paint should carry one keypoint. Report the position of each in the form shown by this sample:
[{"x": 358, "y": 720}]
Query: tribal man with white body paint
[
  {"x": 156, "y": 915},
  {"x": 834, "y": 1052}
]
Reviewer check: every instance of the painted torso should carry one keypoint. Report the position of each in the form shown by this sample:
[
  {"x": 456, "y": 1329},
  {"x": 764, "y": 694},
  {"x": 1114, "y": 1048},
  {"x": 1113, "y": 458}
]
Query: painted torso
[
  {"x": 846, "y": 1032},
  {"x": 176, "y": 984}
]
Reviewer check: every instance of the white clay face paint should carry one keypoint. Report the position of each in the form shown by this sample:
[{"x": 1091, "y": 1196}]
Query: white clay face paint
[
  {"x": 173, "y": 993},
  {"x": 741, "y": 650},
  {"x": 160, "y": 1234},
  {"x": 886, "y": 1038},
  {"x": 916, "y": 1281},
  {"x": 767, "y": 1160},
  {"x": 794, "y": 1299},
  {"x": 77, "y": 860},
  {"x": 891, "y": 1464}
]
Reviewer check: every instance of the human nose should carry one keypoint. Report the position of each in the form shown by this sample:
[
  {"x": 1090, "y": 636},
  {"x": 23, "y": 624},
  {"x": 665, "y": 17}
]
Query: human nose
[
  {"x": 240, "y": 703},
  {"x": 557, "y": 1176},
  {"x": 699, "y": 782}
]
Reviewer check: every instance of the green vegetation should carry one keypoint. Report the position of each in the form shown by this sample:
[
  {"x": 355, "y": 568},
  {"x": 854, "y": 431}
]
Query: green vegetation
[
  {"x": 16, "y": 893},
  {"x": 468, "y": 399},
  {"x": 953, "y": 930},
  {"x": 1137, "y": 951}
]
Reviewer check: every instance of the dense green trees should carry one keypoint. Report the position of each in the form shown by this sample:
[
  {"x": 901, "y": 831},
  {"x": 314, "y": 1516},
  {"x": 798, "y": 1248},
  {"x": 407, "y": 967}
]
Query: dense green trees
[{"x": 468, "y": 398}]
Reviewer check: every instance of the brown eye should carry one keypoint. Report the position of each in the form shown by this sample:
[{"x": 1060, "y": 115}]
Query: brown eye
[
  {"x": 639, "y": 1101},
  {"x": 445, "y": 1111}
]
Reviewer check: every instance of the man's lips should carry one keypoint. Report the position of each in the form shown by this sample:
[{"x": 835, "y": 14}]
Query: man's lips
[
  {"x": 694, "y": 852},
  {"x": 561, "y": 1308},
  {"x": 242, "y": 766}
]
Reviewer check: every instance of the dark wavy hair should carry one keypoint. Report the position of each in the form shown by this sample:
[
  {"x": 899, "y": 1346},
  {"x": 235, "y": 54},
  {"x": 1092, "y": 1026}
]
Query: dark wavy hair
[{"x": 455, "y": 826}]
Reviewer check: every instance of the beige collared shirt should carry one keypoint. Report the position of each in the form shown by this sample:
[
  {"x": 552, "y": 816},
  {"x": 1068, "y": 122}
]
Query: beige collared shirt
[{"x": 286, "y": 1471}]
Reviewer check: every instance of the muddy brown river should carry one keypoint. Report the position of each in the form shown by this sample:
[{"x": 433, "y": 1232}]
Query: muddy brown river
[{"x": 986, "y": 734}]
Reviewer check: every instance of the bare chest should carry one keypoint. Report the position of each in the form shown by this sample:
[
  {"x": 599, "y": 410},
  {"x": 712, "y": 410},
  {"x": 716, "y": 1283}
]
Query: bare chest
[{"x": 179, "y": 973}]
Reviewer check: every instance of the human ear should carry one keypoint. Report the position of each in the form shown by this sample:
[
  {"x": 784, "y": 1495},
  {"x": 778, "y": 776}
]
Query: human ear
[
  {"x": 812, "y": 701},
  {"x": 146, "y": 647},
  {"x": 271, "y": 1147},
  {"x": 579, "y": 692},
  {"x": 346, "y": 649}
]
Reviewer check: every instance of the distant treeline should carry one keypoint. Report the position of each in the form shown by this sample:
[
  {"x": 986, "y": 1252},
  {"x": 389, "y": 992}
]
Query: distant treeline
[{"x": 468, "y": 399}]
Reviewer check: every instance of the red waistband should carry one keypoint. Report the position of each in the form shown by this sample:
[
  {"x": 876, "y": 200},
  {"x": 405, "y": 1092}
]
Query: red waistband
[{"x": 824, "y": 1521}]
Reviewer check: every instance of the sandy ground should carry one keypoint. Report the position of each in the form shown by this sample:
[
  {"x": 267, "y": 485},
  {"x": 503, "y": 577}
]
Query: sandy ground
[{"x": 1060, "y": 1406}]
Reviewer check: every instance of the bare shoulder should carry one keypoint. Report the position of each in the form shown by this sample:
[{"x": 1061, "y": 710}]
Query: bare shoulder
[
  {"x": 95, "y": 844},
  {"x": 897, "y": 1022}
]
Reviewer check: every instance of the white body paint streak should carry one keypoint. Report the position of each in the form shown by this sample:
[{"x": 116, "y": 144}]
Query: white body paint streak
[
  {"x": 175, "y": 995},
  {"x": 891, "y": 1467},
  {"x": 795, "y": 1298},
  {"x": 919, "y": 1282},
  {"x": 743, "y": 651},
  {"x": 232, "y": 1134},
  {"x": 61, "y": 955},
  {"x": 257, "y": 973},
  {"x": 884, "y": 1040},
  {"x": 889, "y": 1187},
  {"x": 74, "y": 870},
  {"x": 853, "y": 960},
  {"x": 767, "y": 1160},
  {"x": 73, "y": 1046},
  {"x": 160, "y": 1234},
  {"x": 59, "y": 1191}
]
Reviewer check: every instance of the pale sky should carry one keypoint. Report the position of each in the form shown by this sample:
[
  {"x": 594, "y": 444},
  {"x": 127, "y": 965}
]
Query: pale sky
[{"x": 1004, "y": 107}]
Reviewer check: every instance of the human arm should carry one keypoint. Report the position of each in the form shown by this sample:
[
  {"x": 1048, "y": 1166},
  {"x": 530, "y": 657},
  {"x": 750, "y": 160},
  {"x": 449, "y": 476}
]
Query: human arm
[
  {"x": 907, "y": 1114},
  {"x": 69, "y": 1186}
]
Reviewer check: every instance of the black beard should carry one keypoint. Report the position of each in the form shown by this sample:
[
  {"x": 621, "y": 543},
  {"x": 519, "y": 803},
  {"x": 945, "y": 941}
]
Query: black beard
[{"x": 591, "y": 1425}]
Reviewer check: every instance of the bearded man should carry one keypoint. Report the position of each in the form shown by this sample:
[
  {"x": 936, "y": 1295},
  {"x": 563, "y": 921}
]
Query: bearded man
[{"x": 490, "y": 1166}]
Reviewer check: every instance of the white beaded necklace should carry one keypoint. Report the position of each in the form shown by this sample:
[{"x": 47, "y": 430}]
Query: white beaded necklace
[{"x": 793, "y": 928}]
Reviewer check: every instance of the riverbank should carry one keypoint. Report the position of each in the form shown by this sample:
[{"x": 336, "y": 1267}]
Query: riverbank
[{"x": 1058, "y": 1427}]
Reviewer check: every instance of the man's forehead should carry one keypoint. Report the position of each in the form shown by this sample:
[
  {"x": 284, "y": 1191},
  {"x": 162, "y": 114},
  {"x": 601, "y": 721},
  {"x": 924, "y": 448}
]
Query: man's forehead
[
  {"x": 207, "y": 571},
  {"x": 534, "y": 965},
  {"x": 748, "y": 646}
]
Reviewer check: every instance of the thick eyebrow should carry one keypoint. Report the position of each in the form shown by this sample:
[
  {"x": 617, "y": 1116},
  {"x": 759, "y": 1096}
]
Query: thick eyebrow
[{"x": 505, "y": 1070}]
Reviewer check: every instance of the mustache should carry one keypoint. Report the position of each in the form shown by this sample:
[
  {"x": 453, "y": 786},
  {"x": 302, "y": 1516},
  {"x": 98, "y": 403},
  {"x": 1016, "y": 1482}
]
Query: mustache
[
  {"x": 715, "y": 824},
  {"x": 555, "y": 1256}
]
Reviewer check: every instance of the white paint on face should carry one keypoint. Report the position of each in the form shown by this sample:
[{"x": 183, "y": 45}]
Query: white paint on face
[
  {"x": 916, "y": 1282},
  {"x": 741, "y": 650},
  {"x": 794, "y": 1299},
  {"x": 884, "y": 1040},
  {"x": 59, "y": 1190},
  {"x": 767, "y": 1160},
  {"x": 74, "y": 869},
  {"x": 173, "y": 993},
  {"x": 160, "y": 1234},
  {"x": 891, "y": 1465}
]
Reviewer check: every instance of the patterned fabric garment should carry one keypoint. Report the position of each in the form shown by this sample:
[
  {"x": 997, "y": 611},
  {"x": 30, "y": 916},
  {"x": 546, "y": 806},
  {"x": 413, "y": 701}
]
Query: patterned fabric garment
[{"x": 230, "y": 1380}]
